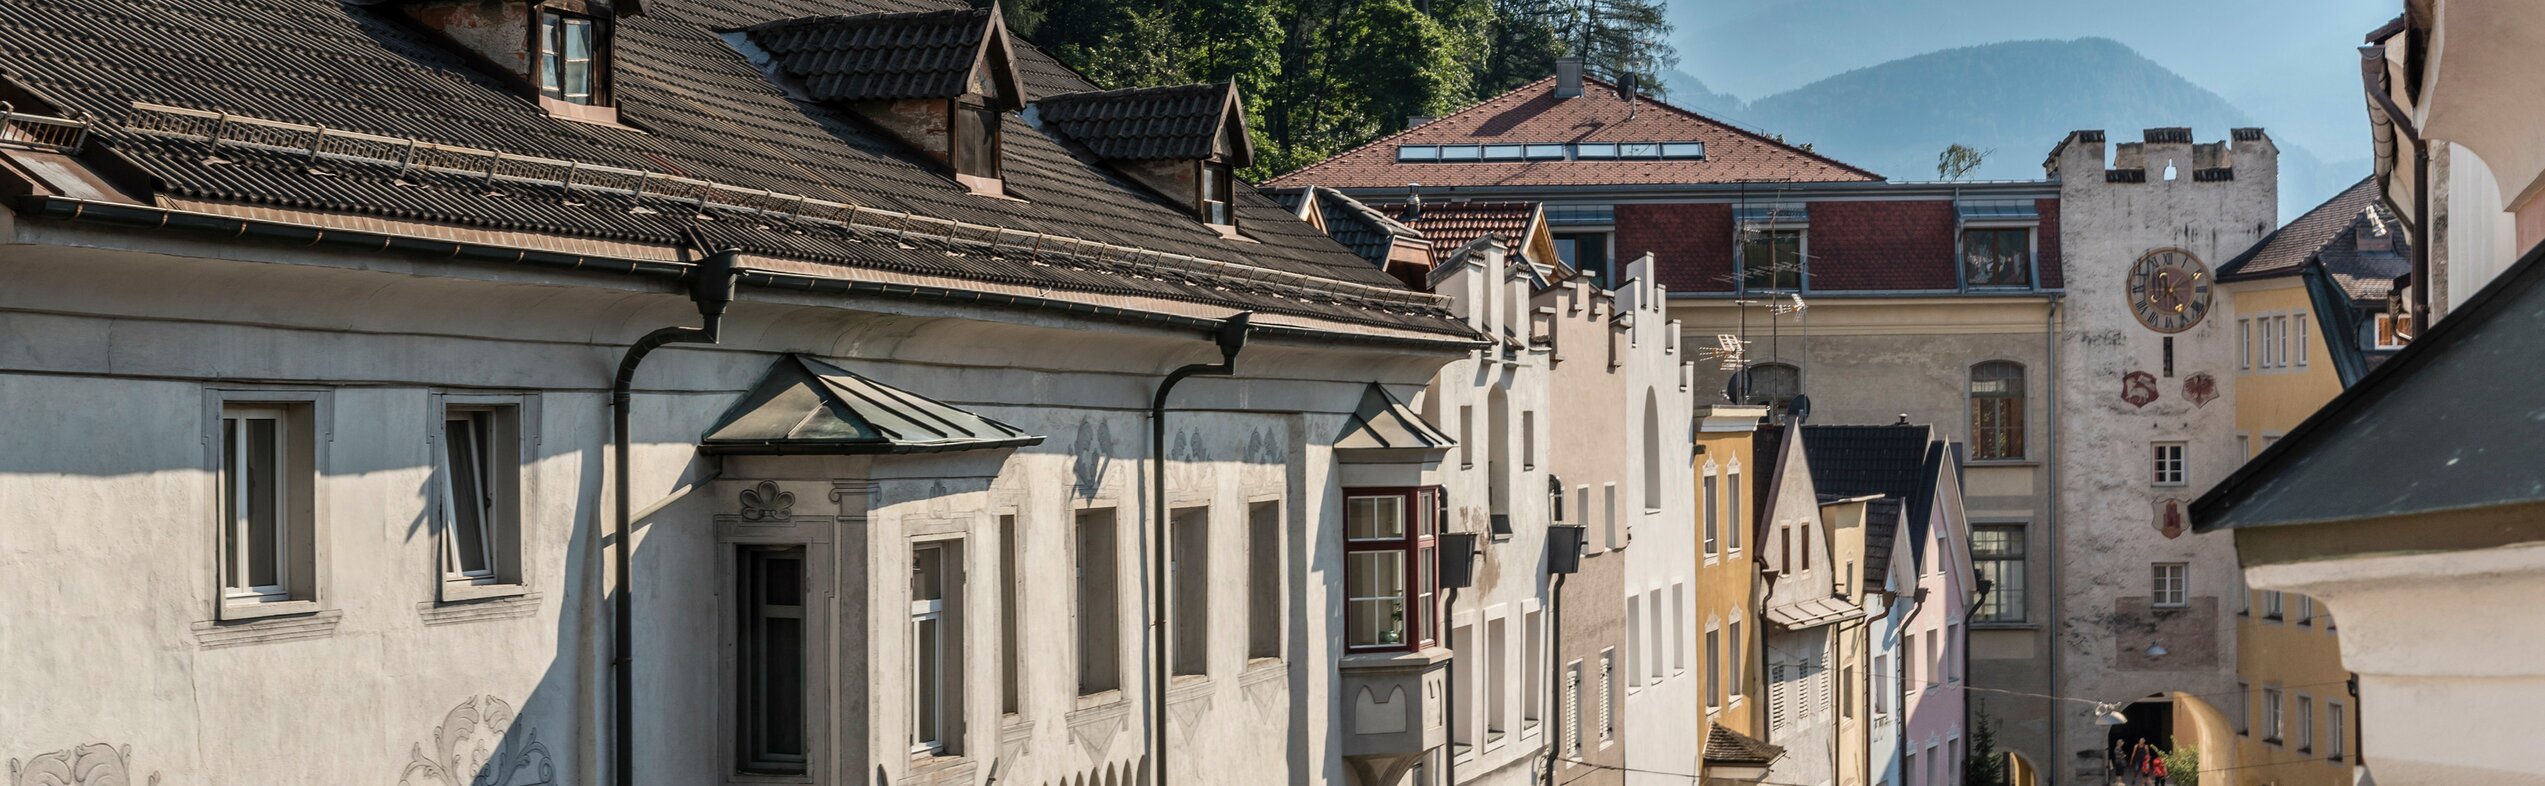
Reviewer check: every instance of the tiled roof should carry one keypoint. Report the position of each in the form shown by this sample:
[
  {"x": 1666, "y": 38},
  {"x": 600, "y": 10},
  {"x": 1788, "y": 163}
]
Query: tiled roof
[
  {"x": 868, "y": 57},
  {"x": 1452, "y": 225},
  {"x": 705, "y": 112},
  {"x": 1147, "y": 123},
  {"x": 1725, "y": 746},
  {"x": 2288, "y": 248},
  {"x": 1365, "y": 230},
  {"x": 1857, "y": 460},
  {"x": 1533, "y": 113}
]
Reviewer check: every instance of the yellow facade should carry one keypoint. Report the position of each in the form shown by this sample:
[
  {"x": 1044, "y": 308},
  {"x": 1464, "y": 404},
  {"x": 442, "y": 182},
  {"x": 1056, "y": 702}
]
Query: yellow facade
[
  {"x": 2286, "y": 646},
  {"x": 1726, "y": 580}
]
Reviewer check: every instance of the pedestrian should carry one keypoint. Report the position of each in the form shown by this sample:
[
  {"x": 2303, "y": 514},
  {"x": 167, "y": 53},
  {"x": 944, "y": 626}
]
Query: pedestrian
[
  {"x": 2159, "y": 764},
  {"x": 2120, "y": 762},
  {"x": 2139, "y": 771}
]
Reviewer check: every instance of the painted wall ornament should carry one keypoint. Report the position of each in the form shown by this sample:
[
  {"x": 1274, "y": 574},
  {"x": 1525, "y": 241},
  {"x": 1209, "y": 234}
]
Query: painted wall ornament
[
  {"x": 2170, "y": 520},
  {"x": 2201, "y": 388},
  {"x": 475, "y": 746},
  {"x": 766, "y": 503},
  {"x": 2138, "y": 388},
  {"x": 93, "y": 764}
]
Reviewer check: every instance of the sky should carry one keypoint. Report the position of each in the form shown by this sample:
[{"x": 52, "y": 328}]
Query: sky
[{"x": 2293, "y": 65}]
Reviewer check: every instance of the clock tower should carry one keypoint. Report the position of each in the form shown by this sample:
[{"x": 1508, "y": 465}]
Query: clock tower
[{"x": 2146, "y": 361}]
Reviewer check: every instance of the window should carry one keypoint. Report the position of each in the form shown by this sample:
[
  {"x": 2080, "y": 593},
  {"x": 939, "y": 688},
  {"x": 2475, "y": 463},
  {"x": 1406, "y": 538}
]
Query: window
[
  {"x": 1660, "y": 631},
  {"x": 1772, "y": 259},
  {"x": 1573, "y": 709},
  {"x": 1555, "y": 500},
  {"x": 1217, "y": 186},
  {"x": 1263, "y": 580},
  {"x": 1997, "y": 554},
  {"x": 1545, "y": 152},
  {"x": 936, "y": 647},
  {"x": 1613, "y": 523},
  {"x": 1736, "y": 668},
  {"x": 2244, "y": 708},
  {"x": 1785, "y": 548},
  {"x": 2166, "y": 591},
  {"x": 975, "y": 146},
  {"x": 2273, "y": 715},
  {"x": 477, "y": 455},
  {"x": 1466, "y": 435},
  {"x": 1532, "y": 669},
  {"x": 1881, "y": 677},
  {"x": 2271, "y": 600},
  {"x": 1807, "y": 546},
  {"x": 2244, "y": 447},
  {"x": 1388, "y": 564},
  {"x": 1909, "y": 769},
  {"x": 2263, "y": 325},
  {"x": 568, "y": 48},
  {"x": 1528, "y": 441},
  {"x": 1909, "y": 663},
  {"x": 1011, "y": 650},
  {"x": 1497, "y": 663},
  {"x": 1463, "y": 681},
  {"x": 268, "y": 480},
  {"x": 1774, "y": 385},
  {"x": 2280, "y": 342},
  {"x": 1458, "y": 152},
  {"x": 771, "y": 657},
  {"x": 2244, "y": 343},
  {"x": 1099, "y": 605},
  {"x": 1595, "y": 150},
  {"x": 1586, "y": 252},
  {"x": 1779, "y": 694},
  {"x": 1503, "y": 152},
  {"x": 1997, "y": 411},
  {"x": 1190, "y": 567},
  {"x": 1634, "y": 641},
  {"x": 1607, "y": 694},
  {"x": 2168, "y": 343},
  {"x": 1713, "y": 668},
  {"x": 1732, "y": 506},
  {"x": 2306, "y": 723},
  {"x": 2298, "y": 338},
  {"x": 1652, "y": 454},
  {"x": 2334, "y": 724},
  {"x": 1683, "y": 150},
  {"x": 1639, "y": 150},
  {"x": 1847, "y": 693},
  {"x": 1997, "y": 257},
  {"x": 1417, "y": 153},
  {"x": 1678, "y": 628},
  {"x": 1934, "y": 664},
  {"x": 2169, "y": 463}
]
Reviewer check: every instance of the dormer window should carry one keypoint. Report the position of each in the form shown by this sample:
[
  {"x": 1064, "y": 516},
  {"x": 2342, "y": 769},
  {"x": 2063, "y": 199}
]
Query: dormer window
[
  {"x": 937, "y": 81},
  {"x": 568, "y": 47},
  {"x": 1184, "y": 142},
  {"x": 976, "y": 139}
]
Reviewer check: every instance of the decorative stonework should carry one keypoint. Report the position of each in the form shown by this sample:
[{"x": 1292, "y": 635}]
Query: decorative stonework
[
  {"x": 1266, "y": 685},
  {"x": 2201, "y": 389},
  {"x": 766, "y": 504},
  {"x": 514, "y": 607},
  {"x": 93, "y": 764},
  {"x": 1095, "y": 728},
  {"x": 474, "y": 747},
  {"x": 2138, "y": 388},
  {"x": 213, "y": 635}
]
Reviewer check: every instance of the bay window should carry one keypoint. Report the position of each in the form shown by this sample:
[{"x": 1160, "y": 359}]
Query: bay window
[{"x": 1389, "y": 544}]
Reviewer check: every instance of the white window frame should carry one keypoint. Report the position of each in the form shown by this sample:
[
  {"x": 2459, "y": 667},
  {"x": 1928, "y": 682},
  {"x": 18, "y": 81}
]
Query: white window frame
[
  {"x": 2306, "y": 723},
  {"x": 511, "y": 428},
  {"x": 2171, "y": 463},
  {"x": 2244, "y": 343},
  {"x": 303, "y": 435},
  {"x": 2274, "y": 715},
  {"x": 932, "y": 692},
  {"x": 2336, "y": 728},
  {"x": 1607, "y": 697},
  {"x": 2177, "y": 586},
  {"x": 237, "y": 561},
  {"x": 2297, "y": 326},
  {"x": 1710, "y": 487}
]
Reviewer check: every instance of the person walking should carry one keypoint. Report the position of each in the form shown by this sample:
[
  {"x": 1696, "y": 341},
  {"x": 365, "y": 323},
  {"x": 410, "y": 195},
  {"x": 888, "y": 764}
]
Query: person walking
[
  {"x": 2139, "y": 756},
  {"x": 2158, "y": 763},
  {"x": 2120, "y": 763}
]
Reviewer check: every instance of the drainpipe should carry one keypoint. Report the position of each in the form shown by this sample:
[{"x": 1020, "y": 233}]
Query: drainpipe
[
  {"x": 2372, "y": 74},
  {"x": 1232, "y": 338},
  {"x": 1555, "y": 690},
  {"x": 712, "y": 289},
  {"x": 2050, "y": 346}
]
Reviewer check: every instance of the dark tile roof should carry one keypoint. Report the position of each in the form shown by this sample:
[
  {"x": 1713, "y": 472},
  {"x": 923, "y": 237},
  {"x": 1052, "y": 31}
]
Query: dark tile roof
[
  {"x": 705, "y": 113},
  {"x": 1366, "y": 230},
  {"x": 1147, "y": 123},
  {"x": 1533, "y": 113},
  {"x": 1452, "y": 225},
  {"x": 1858, "y": 460},
  {"x": 2330, "y": 233},
  {"x": 1882, "y": 531},
  {"x": 1725, "y": 746},
  {"x": 867, "y": 57},
  {"x": 2454, "y": 406}
]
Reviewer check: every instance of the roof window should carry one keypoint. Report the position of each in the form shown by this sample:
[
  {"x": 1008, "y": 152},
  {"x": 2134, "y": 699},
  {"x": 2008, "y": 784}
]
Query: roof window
[
  {"x": 1460, "y": 153},
  {"x": 1502, "y": 152},
  {"x": 1545, "y": 152},
  {"x": 1417, "y": 152},
  {"x": 939, "y": 81},
  {"x": 569, "y": 57},
  {"x": 1595, "y": 150},
  {"x": 1184, "y": 142},
  {"x": 557, "y": 51}
]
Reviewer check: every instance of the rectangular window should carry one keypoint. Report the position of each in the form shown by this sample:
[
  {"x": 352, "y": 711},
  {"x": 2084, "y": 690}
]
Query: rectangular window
[
  {"x": 1634, "y": 641},
  {"x": 1909, "y": 663},
  {"x": 2389, "y": 332},
  {"x": 1639, "y": 150},
  {"x": 1779, "y": 694},
  {"x": 1909, "y": 769},
  {"x": 1218, "y": 183},
  {"x": 1847, "y": 691},
  {"x": 1459, "y": 152},
  {"x": 1881, "y": 676},
  {"x": 2306, "y": 610},
  {"x": 2244, "y": 447},
  {"x": 1737, "y": 669},
  {"x": 1997, "y": 555},
  {"x": 1573, "y": 709},
  {"x": 1011, "y": 649},
  {"x": 1532, "y": 669},
  {"x": 1263, "y": 580},
  {"x": 1678, "y": 628},
  {"x": 2273, "y": 714},
  {"x": 1683, "y": 150},
  {"x": 268, "y": 483},
  {"x": 976, "y": 139},
  {"x": 1586, "y": 252},
  {"x": 1189, "y": 564},
  {"x": 1463, "y": 683},
  {"x": 1661, "y": 634},
  {"x": 2306, "y": 723},
  {"x": 1498, "y": 684},
  {"x": 2166, "y": 589},
  {"x": 1388, "y": 581},
  {"x": 1772, "y": 259},
  {"x": 1607, "y": 694},
  {"x": 1099, "y": 605},
  {"x": 1997, "y": 411},
  {"x": 1503, "y": 152},
  {"x": 2280, "y": 342},
  {"x": 2169, "y": 463},
  {"x": 2244, "y": 343},
  {"x": 1732, "y": 508},
  {"x": 1997, "y": 257},
  {"x": 1417, "y": 153},
  {"x": 936, "y": 647},
  {"x": 2244, "y": 708},
  {"x": 2299, "y": 339},
  {"x": 2334, "y": 725},
  {"x": 1528, "y": 441},
  {"x": 771, "y": 656},
  {"x": 1545, "y": 152},
  {"x": 1713, "y": 667},
  {"x": 1713, "y": 527},
  {"x": 1595, "y": 150},
  {"x": 1614, "y": 525},
  {"x": 478, "y": 460},
  {"x": 1467, "y": 436},
  {"x": 2271, "y": 601},
  {"x": 1934, "y": 663},
  {"x": 566, "y": 49}
]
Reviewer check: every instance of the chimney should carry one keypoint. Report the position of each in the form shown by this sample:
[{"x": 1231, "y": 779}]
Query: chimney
[
  {"x": 1413, "y": 202},
  {"x": 1568, "y": 77}
]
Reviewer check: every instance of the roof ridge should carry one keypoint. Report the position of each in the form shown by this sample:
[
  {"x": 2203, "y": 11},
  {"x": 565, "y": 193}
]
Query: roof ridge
[
  {"x": 2234, "y": 269},
  {"x": 1407, "y": 130},
  {"x": 1700, "y": 117}
]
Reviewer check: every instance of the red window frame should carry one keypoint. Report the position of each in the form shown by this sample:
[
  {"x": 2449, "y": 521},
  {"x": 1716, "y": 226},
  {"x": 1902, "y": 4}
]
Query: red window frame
[{"x": 1417, "y": 544}]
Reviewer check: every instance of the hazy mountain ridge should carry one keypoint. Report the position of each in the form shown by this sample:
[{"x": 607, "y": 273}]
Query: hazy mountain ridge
[{"x": 2016, "y": 99}]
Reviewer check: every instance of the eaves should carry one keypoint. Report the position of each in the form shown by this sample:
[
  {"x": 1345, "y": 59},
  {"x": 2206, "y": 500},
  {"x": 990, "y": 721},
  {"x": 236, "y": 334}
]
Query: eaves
[{"x": 1726, "y": 193}]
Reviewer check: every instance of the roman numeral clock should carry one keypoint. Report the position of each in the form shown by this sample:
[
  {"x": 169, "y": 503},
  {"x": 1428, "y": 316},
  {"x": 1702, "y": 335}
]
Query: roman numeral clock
[{"x": 2169, "y": 291}]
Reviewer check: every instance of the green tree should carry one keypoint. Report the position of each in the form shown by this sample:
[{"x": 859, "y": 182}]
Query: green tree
[
  {"x": 1958, "y": 161},
  {"x": 2182, "y": 764},
  {"x": 1982, "y": 765}
]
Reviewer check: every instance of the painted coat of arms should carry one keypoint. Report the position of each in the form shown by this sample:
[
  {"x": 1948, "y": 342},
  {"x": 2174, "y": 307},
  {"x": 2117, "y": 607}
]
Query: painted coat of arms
[
  {"x": 2201, "y": 388},
  {"x": 2138, "y": 388},
  {"x": 2170, "y": 519}
]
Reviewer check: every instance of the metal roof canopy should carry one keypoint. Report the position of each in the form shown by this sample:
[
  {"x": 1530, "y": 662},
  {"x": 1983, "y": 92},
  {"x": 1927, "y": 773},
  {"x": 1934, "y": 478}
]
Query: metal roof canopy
[
  {"x": 1384, "y": 422},
  {"x": 804, "y": 406}
]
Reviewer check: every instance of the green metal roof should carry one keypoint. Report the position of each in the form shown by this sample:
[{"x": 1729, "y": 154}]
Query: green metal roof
[
  {"x": 806, "y": 406},
  {"x": 1384, "y": 422}
]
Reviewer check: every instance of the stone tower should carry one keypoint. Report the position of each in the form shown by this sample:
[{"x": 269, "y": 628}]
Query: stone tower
[{"x": 2145, "y": 421}]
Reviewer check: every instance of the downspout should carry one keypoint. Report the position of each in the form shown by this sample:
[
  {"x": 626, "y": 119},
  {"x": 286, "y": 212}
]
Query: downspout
[
  {"x": 1232, "y": 338},
  {"x": 1555, "y": 688},
  {"x": 2372, "y": 75},
  {"x": 1449, "y": 701},
  {"x": 2050, "y": 345},
  {"x": 712, "y": 289}
]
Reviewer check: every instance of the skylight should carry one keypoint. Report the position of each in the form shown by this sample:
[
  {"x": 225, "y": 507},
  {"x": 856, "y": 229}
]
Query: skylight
[{"x": 1548, "y": 151}]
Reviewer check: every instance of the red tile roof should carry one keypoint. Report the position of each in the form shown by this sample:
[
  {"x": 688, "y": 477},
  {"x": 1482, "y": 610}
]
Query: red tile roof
[
  {"x": 1452, "y": 226},
  {"x": 1533, "y": 113}
]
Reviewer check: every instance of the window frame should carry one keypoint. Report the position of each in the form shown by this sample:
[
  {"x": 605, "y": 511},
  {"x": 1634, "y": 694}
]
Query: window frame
[
  {"x": 1802, "y": 255},
  {"x": 304, "y": 436},
  {"x": 750, "y": 756},
  {"x": 598, "y": 92},
  {"x": 2274, "y": 714},
  {"x": 992, "y": 133},
  {"x": 2159, "y": 585},
  {"x": 2030, "y": 251},
  {"x": 1214, "y": 172},
  {"x": 2306, "y": 723},
  {"x": 1266, "y": 644},
  {"x": 1417, "y": 545},
  {"x": 2003, "y": 597},
  {"x": 2174, "y": 470},
  {"x": 1998, "y": 435},
  {"x": 1183, "y": 661},
  {"x": 511, "y": 424},
  {"x": 943, "y": 691},
  {"x": 1080, "y": 626}
]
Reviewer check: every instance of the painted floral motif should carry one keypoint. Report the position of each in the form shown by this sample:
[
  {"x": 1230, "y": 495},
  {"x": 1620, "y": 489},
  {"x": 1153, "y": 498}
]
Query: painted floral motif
[
  {"x": 93, "y": 764},
  {"x": 2138, "y": 388},
  {"x": 766, "y": 503},
  {"x": 475, "y": 747}
]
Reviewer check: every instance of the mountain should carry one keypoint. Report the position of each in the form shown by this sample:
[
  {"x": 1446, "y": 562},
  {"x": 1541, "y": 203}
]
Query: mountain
[{"x": 2014, "y": 99}]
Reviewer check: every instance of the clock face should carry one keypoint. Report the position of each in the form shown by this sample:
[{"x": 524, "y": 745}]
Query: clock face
[{"x": 2169, "y": 291}]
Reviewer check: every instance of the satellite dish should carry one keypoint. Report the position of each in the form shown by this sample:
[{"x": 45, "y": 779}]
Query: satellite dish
[
  {"x": 1736, "y": 388},
  {"x": 1800, "y": 409},
  {"x": 1626, "y": 85}
]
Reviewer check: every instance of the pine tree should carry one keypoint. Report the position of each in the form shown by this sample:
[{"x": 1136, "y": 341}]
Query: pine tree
[{"x": 1982, "y": 765}]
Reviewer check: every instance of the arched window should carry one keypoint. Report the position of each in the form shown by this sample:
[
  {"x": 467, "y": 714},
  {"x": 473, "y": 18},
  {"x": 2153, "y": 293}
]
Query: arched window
[
  {"x": 1775, "y": 385},
  {"x": 1652, "y": 452},
  {"x": 1997, "y": 410}
]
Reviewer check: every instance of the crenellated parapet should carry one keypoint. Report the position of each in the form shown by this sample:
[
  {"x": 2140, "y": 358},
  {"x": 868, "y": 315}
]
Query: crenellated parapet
[{"x": 2161, "y": 154}]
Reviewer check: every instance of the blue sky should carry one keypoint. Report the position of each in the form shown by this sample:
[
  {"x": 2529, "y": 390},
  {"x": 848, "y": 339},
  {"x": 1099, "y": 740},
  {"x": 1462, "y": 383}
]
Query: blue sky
[{"x": 2292, "y": 65}]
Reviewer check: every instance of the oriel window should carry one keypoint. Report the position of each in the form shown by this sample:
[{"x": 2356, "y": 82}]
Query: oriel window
[
  {"x": 568, "y": 54},
  {"x": 1388, "y": 577}
]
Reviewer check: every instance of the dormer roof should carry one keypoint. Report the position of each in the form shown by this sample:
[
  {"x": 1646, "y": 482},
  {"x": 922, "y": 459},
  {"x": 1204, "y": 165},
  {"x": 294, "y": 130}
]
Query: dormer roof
[
  {"x": 894, "y": 56},
  {"x": 1183, "y": 122}
]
